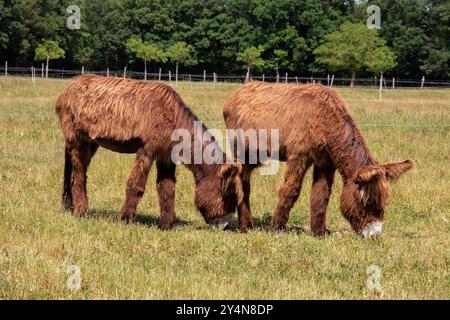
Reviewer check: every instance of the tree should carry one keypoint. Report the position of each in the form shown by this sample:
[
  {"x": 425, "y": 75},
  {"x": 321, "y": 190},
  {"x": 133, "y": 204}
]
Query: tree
[
  {"x": 380, "y": 60},
  {"x": 145, "y": 51},
  {"x": 181, "y": 52},
  {"x": 251, "y": 57},
  {"x": 48, "y": 50},
  {"x": 279, "y": 60},
  {"x": 351, "y": 48}
]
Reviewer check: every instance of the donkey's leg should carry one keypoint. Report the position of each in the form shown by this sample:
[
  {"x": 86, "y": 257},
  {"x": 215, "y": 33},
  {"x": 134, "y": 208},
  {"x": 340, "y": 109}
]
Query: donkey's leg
[
  {"x": 136, "y": 185},
  {"x": 67, "y": 201},
  {"x": 81, "y": 153},
  {"x": 165, "y": 184},
  {"x": 244, "y": 213},
  {"x": 320, "y": 194},
  {"x": 289, "y": 192}
]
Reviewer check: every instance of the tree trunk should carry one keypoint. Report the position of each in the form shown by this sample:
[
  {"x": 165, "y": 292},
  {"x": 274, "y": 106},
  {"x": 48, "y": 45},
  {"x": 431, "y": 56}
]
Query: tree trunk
[
  {"x": 176, "y": 72},
  {"x": 46, "y": 68},
  {"x": 145, "y": 70},
  {"x": 352, "y": 82},
  {"x": 248, "y": 74},
  {"x": 278, "y": 76}
]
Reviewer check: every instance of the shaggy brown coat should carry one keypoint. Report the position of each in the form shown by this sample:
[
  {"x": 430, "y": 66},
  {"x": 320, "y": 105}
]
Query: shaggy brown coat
[
  {"x": 130, "y": 116},
  {"x": 315, "y": 128}
]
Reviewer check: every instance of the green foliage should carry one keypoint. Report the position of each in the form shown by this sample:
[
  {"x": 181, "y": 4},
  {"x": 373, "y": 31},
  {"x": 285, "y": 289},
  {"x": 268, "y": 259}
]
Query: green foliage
[
  {"x": 278, "y": 60},
  {"x": 181, "y": 52},
  {"x": 355, "y": 48},
  {"x": 48, "y": 50},
  {"x": 217, "y": 31},
  {"x": 145, "y": 51},
  {"x": 251, "y": 57},
  {"x": 380, "y": 60}
]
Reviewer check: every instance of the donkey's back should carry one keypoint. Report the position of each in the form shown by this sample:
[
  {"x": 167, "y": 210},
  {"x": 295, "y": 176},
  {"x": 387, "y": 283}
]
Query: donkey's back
[{"x": 107, "y": 108}]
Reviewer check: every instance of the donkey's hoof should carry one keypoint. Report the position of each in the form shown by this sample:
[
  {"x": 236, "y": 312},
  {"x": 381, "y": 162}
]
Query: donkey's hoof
[{"x": 126, "y": 217}]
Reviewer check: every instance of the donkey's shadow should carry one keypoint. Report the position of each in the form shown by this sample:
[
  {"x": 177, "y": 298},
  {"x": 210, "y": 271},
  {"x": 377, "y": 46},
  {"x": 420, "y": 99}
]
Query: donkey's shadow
[
  {"x": 143, "y": 219},
  {"x": 259, "y": 223}
]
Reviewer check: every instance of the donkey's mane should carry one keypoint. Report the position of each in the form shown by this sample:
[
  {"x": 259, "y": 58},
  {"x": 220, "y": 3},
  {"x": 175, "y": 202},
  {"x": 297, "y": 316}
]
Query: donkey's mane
[{"x": 345, "y": 137}]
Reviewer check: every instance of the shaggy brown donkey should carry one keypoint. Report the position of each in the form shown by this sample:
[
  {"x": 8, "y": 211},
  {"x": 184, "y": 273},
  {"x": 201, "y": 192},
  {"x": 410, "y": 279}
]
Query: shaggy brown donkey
[
  {"x": 130, "y": 116},
  {"x": 315, "y": 128}
]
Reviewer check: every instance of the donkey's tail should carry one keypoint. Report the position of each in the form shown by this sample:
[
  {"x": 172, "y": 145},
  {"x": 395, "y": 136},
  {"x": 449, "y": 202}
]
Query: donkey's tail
[{"x": 67, "y": 202}]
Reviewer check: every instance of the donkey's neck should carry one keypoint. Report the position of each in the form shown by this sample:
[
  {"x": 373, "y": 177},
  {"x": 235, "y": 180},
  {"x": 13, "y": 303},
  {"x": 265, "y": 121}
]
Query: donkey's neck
[
  {"x": 200, "y": 140},
  {"x": 349, "y": 150}
]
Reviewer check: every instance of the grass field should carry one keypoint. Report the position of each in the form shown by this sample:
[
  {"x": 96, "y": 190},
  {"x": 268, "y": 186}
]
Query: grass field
[{"x": 38, "y": 242}]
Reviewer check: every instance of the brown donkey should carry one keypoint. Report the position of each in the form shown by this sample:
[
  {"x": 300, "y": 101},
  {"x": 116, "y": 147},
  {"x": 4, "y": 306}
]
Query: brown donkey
[
  {"x": 315, "y": 128},
  {"x": 130, "y": 116}
]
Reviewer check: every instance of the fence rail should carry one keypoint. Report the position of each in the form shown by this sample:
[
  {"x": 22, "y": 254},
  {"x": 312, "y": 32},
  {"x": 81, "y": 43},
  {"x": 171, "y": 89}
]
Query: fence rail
[{"x": 208, "y": 77}]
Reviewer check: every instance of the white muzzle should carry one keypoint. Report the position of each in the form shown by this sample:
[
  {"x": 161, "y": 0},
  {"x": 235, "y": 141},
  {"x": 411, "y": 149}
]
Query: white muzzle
[
  {"x": 372, "y": 230},
  {"x": 222, "y": 223}
]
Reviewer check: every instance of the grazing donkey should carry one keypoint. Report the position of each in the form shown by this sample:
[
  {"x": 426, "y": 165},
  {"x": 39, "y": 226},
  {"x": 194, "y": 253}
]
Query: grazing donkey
[
  {"x": 315, "y": 128},
  {"x": 129, "y": 116}
]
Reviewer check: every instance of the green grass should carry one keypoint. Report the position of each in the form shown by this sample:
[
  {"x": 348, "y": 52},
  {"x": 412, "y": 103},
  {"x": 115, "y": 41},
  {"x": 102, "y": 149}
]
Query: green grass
[{"x": 38, "y": 242}]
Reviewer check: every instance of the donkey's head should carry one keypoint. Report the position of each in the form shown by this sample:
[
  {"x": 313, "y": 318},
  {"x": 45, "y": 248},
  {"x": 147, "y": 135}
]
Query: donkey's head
[
  {"x": 364, "y": 197},
  {"x": 218, "y": 194}
]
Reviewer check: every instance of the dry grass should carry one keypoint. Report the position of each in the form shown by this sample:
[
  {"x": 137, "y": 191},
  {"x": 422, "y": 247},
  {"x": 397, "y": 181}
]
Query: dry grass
[{"x": 38, "y": 241}]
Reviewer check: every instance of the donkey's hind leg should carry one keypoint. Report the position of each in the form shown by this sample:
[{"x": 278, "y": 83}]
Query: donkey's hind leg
[
  {"x": 80, "y": 154},
  {"x": 165, "y": 184},
  {"x": 289, "y": 192},
  {"x": 136, "y": 185}
]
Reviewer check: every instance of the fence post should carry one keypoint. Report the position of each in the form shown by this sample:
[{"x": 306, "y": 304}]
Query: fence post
[
  {"x": 6, "y": 68},
  {"x": 263, "y": 78},
  {"x": 423, "y": 81},
  {"x": 214, "y": 78},
  {"x": 328, "y": 79},
  {"x": 286, "y": 79},
  {"x": 381, "y": 84},
  {"x": 159, "y": 75},
  {"x": 107, "y": 72},
  {"x": 332, "y": 79},
  {"x": 82, "y": 70},
  {"x": 124, "y": 72},
  {"x": 190, "y": 78},
  {"x": 393, "y": 83},
  {"x": 296, "y": 79},
  {"x": 170, "y": 76},
  {"x": 204, "y": 75},
  {"x": 42, "y": 70}
]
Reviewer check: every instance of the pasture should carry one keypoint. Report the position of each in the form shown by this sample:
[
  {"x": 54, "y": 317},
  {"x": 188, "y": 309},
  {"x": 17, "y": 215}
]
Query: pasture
[{"x": 38, "y": 241}]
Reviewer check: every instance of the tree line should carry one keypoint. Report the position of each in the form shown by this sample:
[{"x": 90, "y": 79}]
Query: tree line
[{"x": 232, "y": 36}]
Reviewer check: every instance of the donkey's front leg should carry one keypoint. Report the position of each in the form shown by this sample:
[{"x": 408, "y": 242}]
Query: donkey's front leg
[
  {"x": 289, "y": 192},
  {"x": 244, "y": 213},
  {"x": 136, "y": 185},
  {"x": 165, "y": 183},
  {"x": 320, "y": 195}
]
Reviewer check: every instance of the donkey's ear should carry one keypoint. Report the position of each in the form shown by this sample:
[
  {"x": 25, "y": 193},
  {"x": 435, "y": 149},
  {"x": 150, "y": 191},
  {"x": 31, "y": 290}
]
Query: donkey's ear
[
  {"x": 369, "y": 173},
  {"x": 395, "y": 169},
  {"x": 230, "y": 170},
  {"x": 231, "y": 181}
]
